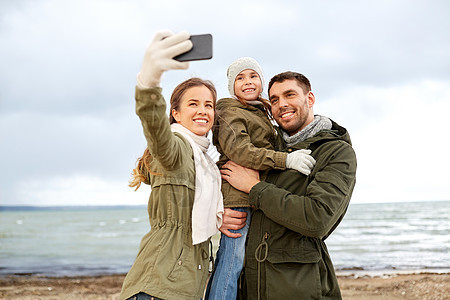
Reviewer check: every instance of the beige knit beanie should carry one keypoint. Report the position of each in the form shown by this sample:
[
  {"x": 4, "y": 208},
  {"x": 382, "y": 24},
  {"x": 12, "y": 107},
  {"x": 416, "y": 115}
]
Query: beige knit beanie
[{"x": 240, "y": 65}]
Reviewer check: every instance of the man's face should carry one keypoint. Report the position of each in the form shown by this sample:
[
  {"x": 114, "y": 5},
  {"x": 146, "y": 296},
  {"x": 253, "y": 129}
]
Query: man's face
[{"x": 291, "y": 108}]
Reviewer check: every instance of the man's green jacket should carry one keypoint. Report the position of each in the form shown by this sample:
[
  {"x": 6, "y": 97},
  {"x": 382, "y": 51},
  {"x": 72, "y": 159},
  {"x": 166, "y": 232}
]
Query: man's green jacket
[{"x": 286, "y": 256}]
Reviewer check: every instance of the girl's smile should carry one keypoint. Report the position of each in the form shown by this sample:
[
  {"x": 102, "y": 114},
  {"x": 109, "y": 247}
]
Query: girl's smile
[{"x": 248, "y": 85}]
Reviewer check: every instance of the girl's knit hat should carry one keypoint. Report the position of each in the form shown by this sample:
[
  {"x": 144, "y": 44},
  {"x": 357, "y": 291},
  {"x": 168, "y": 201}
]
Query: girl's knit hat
[{"x": 240, "y": 65}]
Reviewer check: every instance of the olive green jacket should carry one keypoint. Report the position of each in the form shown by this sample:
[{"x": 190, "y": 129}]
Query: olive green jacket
[
  {"x": 286, "y": 256},
  {"x": 244, "y": 134},
  {"x": 167, "y": 265}
]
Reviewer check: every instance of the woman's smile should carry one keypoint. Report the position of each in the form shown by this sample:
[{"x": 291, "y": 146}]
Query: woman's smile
[{"x": 196, "y": 111}]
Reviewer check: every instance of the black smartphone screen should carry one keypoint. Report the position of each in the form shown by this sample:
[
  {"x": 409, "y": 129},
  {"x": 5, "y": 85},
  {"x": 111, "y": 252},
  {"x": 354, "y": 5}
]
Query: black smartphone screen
[{"x": 202, "y": 48}]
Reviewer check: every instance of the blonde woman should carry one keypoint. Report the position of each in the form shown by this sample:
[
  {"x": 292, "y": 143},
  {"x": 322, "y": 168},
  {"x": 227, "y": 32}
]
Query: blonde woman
[{"x": 185, "y": 206}]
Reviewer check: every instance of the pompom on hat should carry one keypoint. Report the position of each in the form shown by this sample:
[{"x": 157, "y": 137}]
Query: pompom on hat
[{"x": 240, "y": 65}]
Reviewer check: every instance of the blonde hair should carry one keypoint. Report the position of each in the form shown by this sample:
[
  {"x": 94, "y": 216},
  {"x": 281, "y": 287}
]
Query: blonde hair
[{"x": 139, "y": 172}]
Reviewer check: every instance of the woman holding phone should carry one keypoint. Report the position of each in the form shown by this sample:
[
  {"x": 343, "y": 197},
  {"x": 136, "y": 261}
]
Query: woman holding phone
[{"x": 185, "y": 206}]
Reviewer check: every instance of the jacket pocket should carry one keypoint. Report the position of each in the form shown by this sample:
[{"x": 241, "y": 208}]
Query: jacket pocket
[
  {"x": 293, "y": 274},
  {"x": 177, "y": 268},
  {"x": 335, "y": 180},
  {"x": 187, "y": 273},
  {"x": 172, "y": 180}
]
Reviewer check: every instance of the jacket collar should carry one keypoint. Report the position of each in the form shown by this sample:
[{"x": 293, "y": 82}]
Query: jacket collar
[
  {"x": 336, "y": 132},
  {"x": 231, "y": 102}
]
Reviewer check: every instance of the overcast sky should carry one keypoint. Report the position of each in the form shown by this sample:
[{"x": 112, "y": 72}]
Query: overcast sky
[{"x": 69, "y": 134}]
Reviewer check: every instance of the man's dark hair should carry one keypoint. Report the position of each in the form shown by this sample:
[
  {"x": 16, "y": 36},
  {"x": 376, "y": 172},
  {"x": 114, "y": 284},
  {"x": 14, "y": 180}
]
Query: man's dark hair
[{"x": 301, "y": 79}]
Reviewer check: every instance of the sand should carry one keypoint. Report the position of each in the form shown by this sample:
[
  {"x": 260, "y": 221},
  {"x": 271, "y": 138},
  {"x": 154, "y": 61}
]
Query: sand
[{"x": 404, "y": 286}]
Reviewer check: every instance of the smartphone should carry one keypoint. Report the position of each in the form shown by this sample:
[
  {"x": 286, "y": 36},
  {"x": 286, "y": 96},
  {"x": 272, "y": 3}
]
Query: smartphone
[{"x": 202, "y": 48}]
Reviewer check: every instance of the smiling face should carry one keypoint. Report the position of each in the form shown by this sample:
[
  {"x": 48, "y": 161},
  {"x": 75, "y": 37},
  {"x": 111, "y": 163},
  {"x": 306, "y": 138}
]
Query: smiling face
[
  {"x": 196, "y": 110},
  {"x": 292, "y": 109},
  {"x": 247, "y": 85}
]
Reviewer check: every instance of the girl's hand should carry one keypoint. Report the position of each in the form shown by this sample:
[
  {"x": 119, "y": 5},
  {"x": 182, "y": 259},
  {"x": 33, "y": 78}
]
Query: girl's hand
[
  {"x": 301, "y": 160},
  {"x": 159, "y": 56},
  {"x": 234, "y": 220},
  {"x": 239, "y": 177}
]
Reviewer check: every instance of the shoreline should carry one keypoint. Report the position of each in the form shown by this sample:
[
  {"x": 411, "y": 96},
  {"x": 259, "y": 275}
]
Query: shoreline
[
  {"x": 424, "y": 285},
  {"x": 390, "y": 272},
  {"x": 351, "y": 272}
]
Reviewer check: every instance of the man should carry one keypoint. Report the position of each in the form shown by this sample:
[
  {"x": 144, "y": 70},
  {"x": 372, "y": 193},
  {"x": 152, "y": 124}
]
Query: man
[{"x": 286, "y": 256}]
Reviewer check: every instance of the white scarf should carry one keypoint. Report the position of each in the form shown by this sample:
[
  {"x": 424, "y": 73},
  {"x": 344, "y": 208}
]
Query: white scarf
[{"x": 207, "y": 211}]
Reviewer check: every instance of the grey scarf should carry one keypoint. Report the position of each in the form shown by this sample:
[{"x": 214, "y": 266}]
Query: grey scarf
[{"x": 319, "y": 123}]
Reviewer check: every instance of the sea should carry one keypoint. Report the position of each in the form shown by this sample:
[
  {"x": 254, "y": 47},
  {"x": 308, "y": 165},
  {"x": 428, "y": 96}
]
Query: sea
[{"x": 381, "y": 238}]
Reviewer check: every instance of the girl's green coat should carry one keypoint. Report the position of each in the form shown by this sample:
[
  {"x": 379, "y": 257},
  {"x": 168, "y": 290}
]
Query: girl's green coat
[
  {"x": 244, "y": 134},
  {"x": 167, "y": 265}
]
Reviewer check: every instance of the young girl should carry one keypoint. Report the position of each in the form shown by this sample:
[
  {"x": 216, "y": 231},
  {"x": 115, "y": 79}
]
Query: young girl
[
  {"x": 245, "y": 135},
  {"x": 185, "y": 205}
]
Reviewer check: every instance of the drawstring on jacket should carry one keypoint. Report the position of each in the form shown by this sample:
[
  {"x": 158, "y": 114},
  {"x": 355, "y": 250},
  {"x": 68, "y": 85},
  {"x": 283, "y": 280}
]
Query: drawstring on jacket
[
  {"x": 211, "y": 257},
  {"x": 260, "y": 257}
]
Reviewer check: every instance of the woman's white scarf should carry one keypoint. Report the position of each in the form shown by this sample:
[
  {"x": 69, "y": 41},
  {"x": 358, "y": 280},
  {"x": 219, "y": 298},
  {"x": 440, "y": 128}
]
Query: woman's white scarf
[{"x": 207, "y": 211}]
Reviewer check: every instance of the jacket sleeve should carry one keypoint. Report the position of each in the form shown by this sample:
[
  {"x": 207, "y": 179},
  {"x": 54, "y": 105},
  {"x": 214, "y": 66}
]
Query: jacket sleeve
[
  {"x": 235, "y": 142},
  {"x": 163, "y": 145},
  {"x": 327, "y": 196}
]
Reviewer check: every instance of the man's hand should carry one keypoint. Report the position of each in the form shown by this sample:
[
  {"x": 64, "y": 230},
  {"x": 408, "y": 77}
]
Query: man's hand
[
  {"x": 234, "y": 220},
  {"x": 159, "y": 56},
  {"x": 239, "y": 177}
]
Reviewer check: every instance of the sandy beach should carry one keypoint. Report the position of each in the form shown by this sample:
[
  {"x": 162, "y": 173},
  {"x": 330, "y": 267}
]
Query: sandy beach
[{"x": 404, "y": 286}]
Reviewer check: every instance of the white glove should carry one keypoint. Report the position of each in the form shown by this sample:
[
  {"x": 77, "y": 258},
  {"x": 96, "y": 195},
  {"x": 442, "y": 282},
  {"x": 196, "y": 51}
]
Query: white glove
[
  {"x": 159, "y": 57},
  {"x": 301, "y": 160}
]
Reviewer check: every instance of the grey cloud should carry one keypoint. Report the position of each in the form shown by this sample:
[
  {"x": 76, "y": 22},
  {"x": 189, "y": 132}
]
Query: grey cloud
[{"x": 67, "y": 80}]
